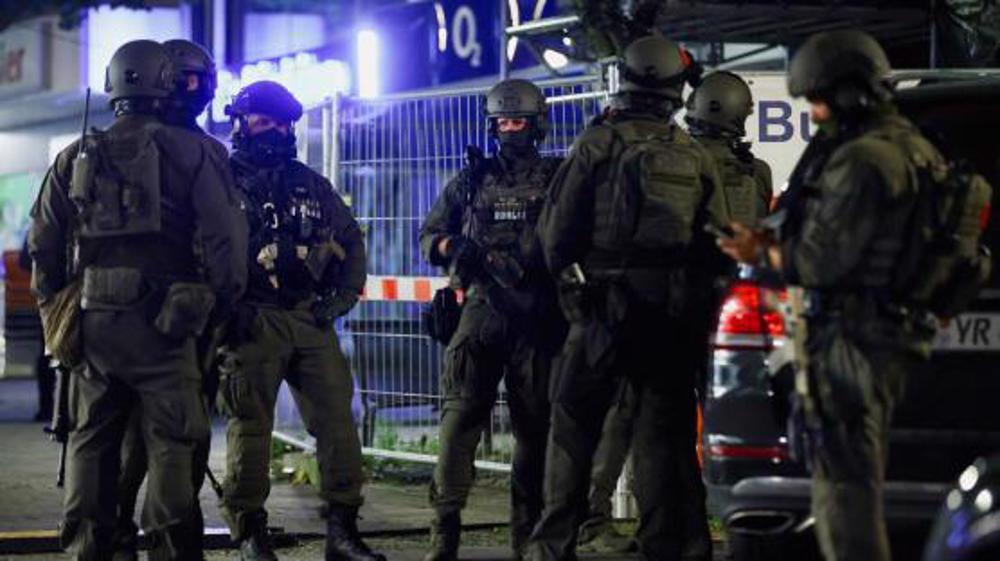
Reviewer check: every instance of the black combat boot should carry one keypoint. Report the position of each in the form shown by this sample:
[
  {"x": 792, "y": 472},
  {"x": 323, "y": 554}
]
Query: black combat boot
[
  {"x": 256, "y": 542},
  {"x": 178, "y": 542},
  {"x": 343, "y": 542},
  {"x": 446, "y": 531},
  {"x": 126, "y": 542}
]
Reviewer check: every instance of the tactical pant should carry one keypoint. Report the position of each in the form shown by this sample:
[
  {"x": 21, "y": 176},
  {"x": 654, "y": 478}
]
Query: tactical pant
[
  {"x": 486, "y": 348},
  {"x": 611, "y": 454},
  {"x": 135, "y": 464},
  {"x": 287, "y": 345},
  {"x": 669, "y": 489},
  {"x": 862, "y": 384},
  {"x": 129, "y": 365}
]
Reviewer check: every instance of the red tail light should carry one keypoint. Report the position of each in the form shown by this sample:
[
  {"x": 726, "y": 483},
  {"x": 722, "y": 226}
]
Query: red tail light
[
  {"x": 745, "y": 312},
  {"x": 773, "y": 453}
]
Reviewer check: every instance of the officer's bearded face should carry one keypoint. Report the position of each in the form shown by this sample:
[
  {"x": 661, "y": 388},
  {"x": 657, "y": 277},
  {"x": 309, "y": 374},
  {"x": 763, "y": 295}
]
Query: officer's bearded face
[
  {"x": 258, "y": 123},
  {"x": 505, "y": 124}
]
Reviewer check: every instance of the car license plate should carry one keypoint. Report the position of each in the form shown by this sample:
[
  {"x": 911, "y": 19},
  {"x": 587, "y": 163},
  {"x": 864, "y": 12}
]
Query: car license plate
[{"x": 970, "y": 332}]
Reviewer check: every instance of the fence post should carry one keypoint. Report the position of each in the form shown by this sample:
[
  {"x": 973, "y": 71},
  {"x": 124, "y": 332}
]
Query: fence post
[
  {"x": 331, "y": 139},
  {"x": 302, "y": 138}
]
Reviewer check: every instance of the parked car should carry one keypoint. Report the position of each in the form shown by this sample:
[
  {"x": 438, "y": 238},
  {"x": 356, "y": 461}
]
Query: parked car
[{"x": 948, "y": 417}]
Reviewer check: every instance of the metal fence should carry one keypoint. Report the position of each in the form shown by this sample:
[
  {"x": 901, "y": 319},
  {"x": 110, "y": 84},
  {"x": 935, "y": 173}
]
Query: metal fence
[{"x": 390, "y": 158}]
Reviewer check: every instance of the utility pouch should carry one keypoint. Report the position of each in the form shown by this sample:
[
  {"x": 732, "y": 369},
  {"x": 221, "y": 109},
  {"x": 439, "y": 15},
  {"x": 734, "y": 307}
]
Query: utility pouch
[
  {"x": 186, "y": 310},
  {"x": 115, "y": 288},
  {"x": 441, "y": 317},
  {"x": 124, "y": 197},
  {"x": 61, "y": 325},
  {"x": 319, "y": 257},
  {"x": 84, "y": 169}
]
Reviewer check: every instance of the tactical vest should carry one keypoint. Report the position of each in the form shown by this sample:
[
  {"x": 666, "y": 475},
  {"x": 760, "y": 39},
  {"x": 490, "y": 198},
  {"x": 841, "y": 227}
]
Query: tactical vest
[
  {"x": 942, "y": 264},
  {"x": 740, "y": 182},
  {"x": 287, "y": 221},
  {"x": 882, "y": 256},
  {"x": 127, "y": 215},
  {"x": 116, "y": 184},
  {"x": 504, "y": 207},
  {"x": 649, "y": 210}
]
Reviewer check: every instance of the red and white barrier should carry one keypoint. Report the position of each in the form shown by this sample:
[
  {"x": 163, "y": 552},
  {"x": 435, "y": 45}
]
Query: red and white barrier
[{"x": 402, "y": 289}]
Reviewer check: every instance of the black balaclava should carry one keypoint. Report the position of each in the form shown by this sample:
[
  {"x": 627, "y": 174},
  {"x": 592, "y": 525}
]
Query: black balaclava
[
  {"x": 520, "y": 145},
  {"x": 269, "y": 148}
]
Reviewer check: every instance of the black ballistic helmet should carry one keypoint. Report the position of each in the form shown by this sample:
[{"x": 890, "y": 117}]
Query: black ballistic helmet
[
  {"x": 267, "y": 98},
  {"x": 192, "y": 58},
  {"x": 139, "y": 69},
  {"x": 275, "y": 101},
  {"x": 845, "y": 68},
  {"x": 723, "y": 101},
  {"x": 655, "y": 66},
  {"x": 515, "y": 98},
  {"x": 968, "y": 525}
]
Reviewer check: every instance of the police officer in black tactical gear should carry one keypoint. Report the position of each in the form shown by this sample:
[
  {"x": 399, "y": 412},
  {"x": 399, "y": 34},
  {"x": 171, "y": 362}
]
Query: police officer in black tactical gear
[
  {"x": 716, "y": 115},
  {"x": 482, "y": 228},
  {"x": 851, "y": 212},
  {"x": 121, "y": 216},
  {"x": 193, "y": 88},
  {"x": 620, "y": 232},
  {"x": 307, "y": 268},
  {"x": 717, "y": 111}
]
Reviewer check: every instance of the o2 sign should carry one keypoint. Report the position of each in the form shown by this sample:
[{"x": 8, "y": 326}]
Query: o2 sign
[
  {"x": 467, "y": 45},
  {"x": 464, "y": 36}
]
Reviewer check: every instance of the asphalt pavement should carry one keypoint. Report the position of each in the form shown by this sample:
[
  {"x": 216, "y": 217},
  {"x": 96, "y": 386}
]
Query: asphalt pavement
[{"x": 395, "y": 516}]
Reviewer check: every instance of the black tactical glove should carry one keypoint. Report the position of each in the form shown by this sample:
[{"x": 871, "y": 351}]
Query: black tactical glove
[
  {"x": 466, "y": 259},
  {"x": 331, "y": 306},
  {"x": 442, "y": 315}
]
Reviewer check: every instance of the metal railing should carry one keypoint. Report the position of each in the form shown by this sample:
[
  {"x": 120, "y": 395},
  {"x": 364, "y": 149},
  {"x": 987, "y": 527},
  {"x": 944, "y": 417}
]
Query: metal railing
[{"x": 390, "y": 158}]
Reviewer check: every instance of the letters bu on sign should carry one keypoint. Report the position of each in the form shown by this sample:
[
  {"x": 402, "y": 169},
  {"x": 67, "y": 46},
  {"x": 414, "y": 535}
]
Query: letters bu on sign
[{"x": 779, "y": 127}]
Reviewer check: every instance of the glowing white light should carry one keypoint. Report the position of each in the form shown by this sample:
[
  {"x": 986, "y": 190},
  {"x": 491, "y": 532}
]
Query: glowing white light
[
  {"x": 308, "y": 80},
  {"x": 568, "y": 41},
  {"x": 969, "y": 478},
  {"x": 515, "y": 12},
  {"x": 511, "y": 48},
  {"x": 954, "y": 499},
  {"x": 515, "y": 19},
  {"x": 305, "y": 59},
  {"x": 984, "y": 500},
  {"x": 367, "y": 63},
  {"x": 539, "y": 9},
  {"x": 555, "y": 59},
  {"x": 442, "y": 27},
  {"x": 110, "y": 28}
]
